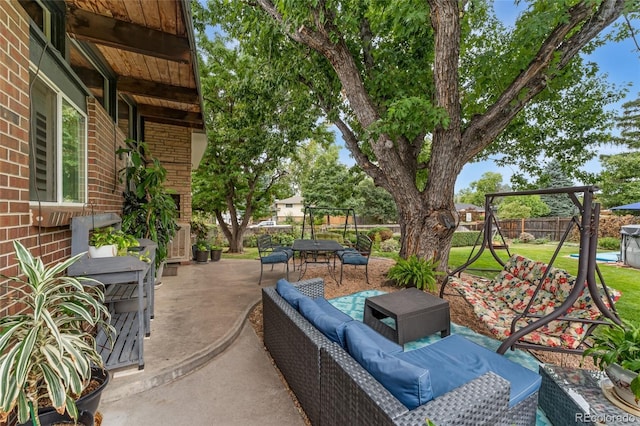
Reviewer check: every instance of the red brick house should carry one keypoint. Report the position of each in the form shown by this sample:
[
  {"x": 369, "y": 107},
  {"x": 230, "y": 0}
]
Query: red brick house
[{"x": 78, "y": 77}]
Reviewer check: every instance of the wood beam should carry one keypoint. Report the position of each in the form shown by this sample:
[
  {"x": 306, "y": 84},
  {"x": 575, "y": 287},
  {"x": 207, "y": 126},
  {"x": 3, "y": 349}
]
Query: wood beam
[
  {"x": 150, "y": 111},
  {"x": 189, "y": 124},
  {"x": 153, "y": 89},
  {"x": 123, "y": 35}
]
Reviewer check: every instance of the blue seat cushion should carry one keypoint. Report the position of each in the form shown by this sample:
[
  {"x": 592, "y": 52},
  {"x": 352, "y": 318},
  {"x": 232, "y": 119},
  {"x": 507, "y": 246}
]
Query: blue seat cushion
[
  {"x": 370, "y": 336},
  {"x": 410, "y": 384},
  {"x": 329, "y": 325},
  {"x": 354, "y": 259},
  {"x": 289, "y": 293},
  {"x": 329, "y": 309},
  {"x": 341, "y": 253},
  {"x": 457, "y": 361},
  {"x": 287, "y": 250},
  {"x": 275, "y": 257}
]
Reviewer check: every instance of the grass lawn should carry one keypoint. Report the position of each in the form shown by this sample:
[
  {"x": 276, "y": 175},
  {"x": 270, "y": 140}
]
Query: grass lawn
[{"x": 626, "y": 280}]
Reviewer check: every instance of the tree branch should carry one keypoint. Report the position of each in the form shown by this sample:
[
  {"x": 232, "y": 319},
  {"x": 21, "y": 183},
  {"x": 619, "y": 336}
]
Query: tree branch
[{"x": 483, "y": 129}]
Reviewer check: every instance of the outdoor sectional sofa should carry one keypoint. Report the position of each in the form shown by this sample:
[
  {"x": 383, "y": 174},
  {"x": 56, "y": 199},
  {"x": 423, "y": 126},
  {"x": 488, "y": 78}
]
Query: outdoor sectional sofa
[{"x": 349, "y": 374}]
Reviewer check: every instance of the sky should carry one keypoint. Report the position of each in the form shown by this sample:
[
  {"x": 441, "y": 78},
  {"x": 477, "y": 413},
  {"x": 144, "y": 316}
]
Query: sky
[{"x": 618, "y": 63}]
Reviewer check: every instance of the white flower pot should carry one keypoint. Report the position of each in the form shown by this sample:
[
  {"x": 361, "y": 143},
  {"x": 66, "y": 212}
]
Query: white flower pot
[
  {"x": 621, "y": 377},
  {"x": 110, "y": 250}
]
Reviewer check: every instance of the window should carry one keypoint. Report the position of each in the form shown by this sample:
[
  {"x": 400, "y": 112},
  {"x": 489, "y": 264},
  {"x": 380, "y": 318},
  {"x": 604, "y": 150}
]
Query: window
[
  {"x": 288, "y": 206},
  {"x": 58, "y": 148},
  {"x": 48, "y": 17}
]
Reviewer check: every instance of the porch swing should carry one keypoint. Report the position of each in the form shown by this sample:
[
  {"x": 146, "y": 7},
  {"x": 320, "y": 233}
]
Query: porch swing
[{"x": 533, "y": 305}]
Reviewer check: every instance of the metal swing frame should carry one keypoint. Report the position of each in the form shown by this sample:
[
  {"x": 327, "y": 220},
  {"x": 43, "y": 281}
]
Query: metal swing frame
[{"x": 587, "y": 223}]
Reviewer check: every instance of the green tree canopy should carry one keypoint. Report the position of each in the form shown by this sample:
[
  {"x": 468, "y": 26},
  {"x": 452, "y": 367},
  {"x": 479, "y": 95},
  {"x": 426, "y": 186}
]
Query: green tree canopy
[
  {"x": 559, "y": 204},
  {"x": 488, "y": 183},
  {"x": 375, "y": 204},
  {"x": 420, "y": 88},
  {"x": 620, "y": 176},
  {"x": 327, "y": 182},
  {"x": 256, "y": 120},
  {"x": 522, "y": 206}
]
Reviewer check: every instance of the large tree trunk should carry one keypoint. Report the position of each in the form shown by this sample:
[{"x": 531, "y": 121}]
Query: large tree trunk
[{"x": 233, "y": 233}]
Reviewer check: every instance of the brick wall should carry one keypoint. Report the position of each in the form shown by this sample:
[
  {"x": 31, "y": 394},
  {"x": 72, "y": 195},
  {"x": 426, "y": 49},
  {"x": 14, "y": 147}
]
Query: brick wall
[
  {"x": 105, "y": 137},
  {"x": 14, "y": 127},
  {"x": 172, "y": 146}
]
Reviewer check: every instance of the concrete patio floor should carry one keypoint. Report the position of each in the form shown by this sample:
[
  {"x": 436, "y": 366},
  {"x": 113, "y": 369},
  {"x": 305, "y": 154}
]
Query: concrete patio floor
[{"x": 204, "y": 363}]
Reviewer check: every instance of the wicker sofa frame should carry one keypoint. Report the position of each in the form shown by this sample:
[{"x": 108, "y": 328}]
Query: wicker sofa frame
[{"x": 333, "y": 389}]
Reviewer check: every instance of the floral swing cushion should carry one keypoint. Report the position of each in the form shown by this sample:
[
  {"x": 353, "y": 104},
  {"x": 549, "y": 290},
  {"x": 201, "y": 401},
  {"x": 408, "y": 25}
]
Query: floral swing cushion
[{"x": 497, "y": 302}]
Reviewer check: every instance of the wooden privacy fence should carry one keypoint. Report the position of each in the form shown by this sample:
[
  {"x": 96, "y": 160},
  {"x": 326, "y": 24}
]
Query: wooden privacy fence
[{"x": 551, "y": 228}]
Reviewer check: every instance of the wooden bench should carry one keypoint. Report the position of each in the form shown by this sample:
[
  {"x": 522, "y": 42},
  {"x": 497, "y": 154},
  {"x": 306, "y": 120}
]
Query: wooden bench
[{"x": 129, "y": 291}]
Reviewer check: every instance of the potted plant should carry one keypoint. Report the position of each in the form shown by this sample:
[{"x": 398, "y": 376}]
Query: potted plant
[
  {"x": 216, "y": 246},
  {"x": 48, "y": 350},
  {"x": 616, "y": 350},
  {"x": 116, "y": 241},
  {"x": 148, "y": 209},
  {"x": 202, "y": 252},
  {"x": 414, "y": 272},
  {"x": 199, "y": 230}
]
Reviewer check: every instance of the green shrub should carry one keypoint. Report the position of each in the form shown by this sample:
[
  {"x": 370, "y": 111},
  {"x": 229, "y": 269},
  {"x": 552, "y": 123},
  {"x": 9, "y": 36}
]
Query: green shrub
[
  {"x": 382, "y": 232},
  {"x": 463, "y": 239},
  {"x": 414, "y": 271},
  {"x": 540, "y": 241},
  {"x": 609, "y": 243},
  {"x": 250, "y": 241},
  {"x": 285, "y": 239},
  {"x": 526, "y": 237},
  {"x": 329, "y": 236},
  {"x": 389, "y": 246}
]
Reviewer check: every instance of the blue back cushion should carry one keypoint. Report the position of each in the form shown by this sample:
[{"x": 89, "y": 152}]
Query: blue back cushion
[
  {"x": 375, "y": 338},
  {"x": 329, "y": 309},
  {"x": 289, "y": 293},
  {"x": 459, "y": 361},
  {"x": 329, "y": 325},
  {"x": 410, "y": 384}
]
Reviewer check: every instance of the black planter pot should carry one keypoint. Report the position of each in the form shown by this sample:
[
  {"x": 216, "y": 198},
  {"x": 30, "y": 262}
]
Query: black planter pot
[
  {"x": 85, "y": 418},
  {"x": 202, "y": 256},
  {"x": 87, "y": 404},
  {"x": 216, "y": 254}
]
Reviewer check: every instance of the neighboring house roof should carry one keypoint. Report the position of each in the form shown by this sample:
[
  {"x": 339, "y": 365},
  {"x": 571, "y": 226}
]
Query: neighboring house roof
[
  {"x": 151, "y": 51},
  {"x": 296, "y": 199},
  {"x": 467, "y": 206}
]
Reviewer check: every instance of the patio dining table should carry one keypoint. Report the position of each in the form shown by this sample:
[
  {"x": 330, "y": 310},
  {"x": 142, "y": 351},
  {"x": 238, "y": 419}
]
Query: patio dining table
[{"x": 315, "y": 251}]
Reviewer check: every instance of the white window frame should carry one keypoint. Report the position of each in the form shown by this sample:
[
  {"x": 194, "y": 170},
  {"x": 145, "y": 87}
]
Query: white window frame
[{"x": 59, "y": 95}]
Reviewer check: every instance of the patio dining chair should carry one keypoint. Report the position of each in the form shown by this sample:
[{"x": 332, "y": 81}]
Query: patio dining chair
[
  {"x": 357, "y": 255},
  {"x": 271, "y": 254}
]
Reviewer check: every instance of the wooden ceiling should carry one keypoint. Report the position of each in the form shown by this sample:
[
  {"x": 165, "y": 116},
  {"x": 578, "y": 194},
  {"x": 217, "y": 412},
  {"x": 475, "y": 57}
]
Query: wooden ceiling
[{"x": 149, "y": 46}]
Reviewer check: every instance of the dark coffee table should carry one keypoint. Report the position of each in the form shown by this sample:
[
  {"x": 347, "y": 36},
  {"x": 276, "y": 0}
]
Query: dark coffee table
[{"x": 416, "y": 314}]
